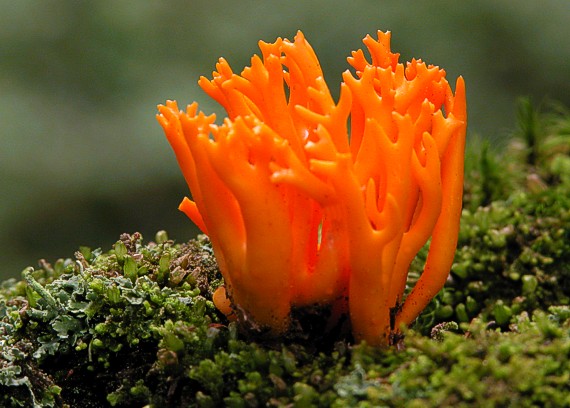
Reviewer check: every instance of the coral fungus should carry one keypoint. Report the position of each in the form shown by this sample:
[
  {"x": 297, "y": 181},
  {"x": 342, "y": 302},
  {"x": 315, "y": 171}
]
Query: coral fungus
[{"x": 308, "y": 201}]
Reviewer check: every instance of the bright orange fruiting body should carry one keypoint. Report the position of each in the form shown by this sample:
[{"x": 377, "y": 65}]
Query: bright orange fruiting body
[{"x": 300, "y": 213}]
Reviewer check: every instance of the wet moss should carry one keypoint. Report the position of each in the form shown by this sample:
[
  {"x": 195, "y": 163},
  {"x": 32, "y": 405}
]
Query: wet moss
[{"x": 134, "y": 325}]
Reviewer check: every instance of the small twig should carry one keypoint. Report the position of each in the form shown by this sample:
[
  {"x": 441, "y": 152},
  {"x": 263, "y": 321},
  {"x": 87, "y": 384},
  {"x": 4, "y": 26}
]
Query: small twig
[{"x": 35, "y": 285}]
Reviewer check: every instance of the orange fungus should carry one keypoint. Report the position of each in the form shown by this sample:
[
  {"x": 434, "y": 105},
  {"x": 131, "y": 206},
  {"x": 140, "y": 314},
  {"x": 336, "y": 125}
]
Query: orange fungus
[{"x": 309, "y": 201}]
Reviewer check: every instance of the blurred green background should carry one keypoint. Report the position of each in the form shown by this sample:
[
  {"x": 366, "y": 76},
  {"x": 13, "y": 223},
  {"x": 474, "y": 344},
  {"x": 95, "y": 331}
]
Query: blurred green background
[{"x": 82, "y": 158}]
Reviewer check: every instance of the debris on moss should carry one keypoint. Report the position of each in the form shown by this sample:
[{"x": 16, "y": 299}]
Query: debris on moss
[{"x": 135, "y": 325}]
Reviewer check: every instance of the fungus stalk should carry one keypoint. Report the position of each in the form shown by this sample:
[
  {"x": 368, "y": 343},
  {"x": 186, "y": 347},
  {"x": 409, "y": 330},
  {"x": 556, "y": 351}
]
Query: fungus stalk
[{"x": 301, "y": 213}]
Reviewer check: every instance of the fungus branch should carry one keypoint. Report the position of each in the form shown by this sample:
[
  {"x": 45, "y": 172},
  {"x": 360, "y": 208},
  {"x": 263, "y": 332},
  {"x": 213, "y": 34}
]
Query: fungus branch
[{"x": 300, "y": 213}]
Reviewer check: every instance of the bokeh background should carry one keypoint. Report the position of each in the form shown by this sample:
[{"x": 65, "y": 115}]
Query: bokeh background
[{"x": 82, "y": 158}]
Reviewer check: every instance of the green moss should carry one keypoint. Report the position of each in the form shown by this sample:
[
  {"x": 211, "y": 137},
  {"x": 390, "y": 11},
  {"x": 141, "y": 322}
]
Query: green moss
[
  {"x": 134, "y": 325},
  {"x": 96, "y": 313}
]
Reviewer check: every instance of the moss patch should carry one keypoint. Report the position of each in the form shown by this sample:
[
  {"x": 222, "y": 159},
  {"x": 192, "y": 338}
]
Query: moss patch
[{"x": 135, "y": 326}]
